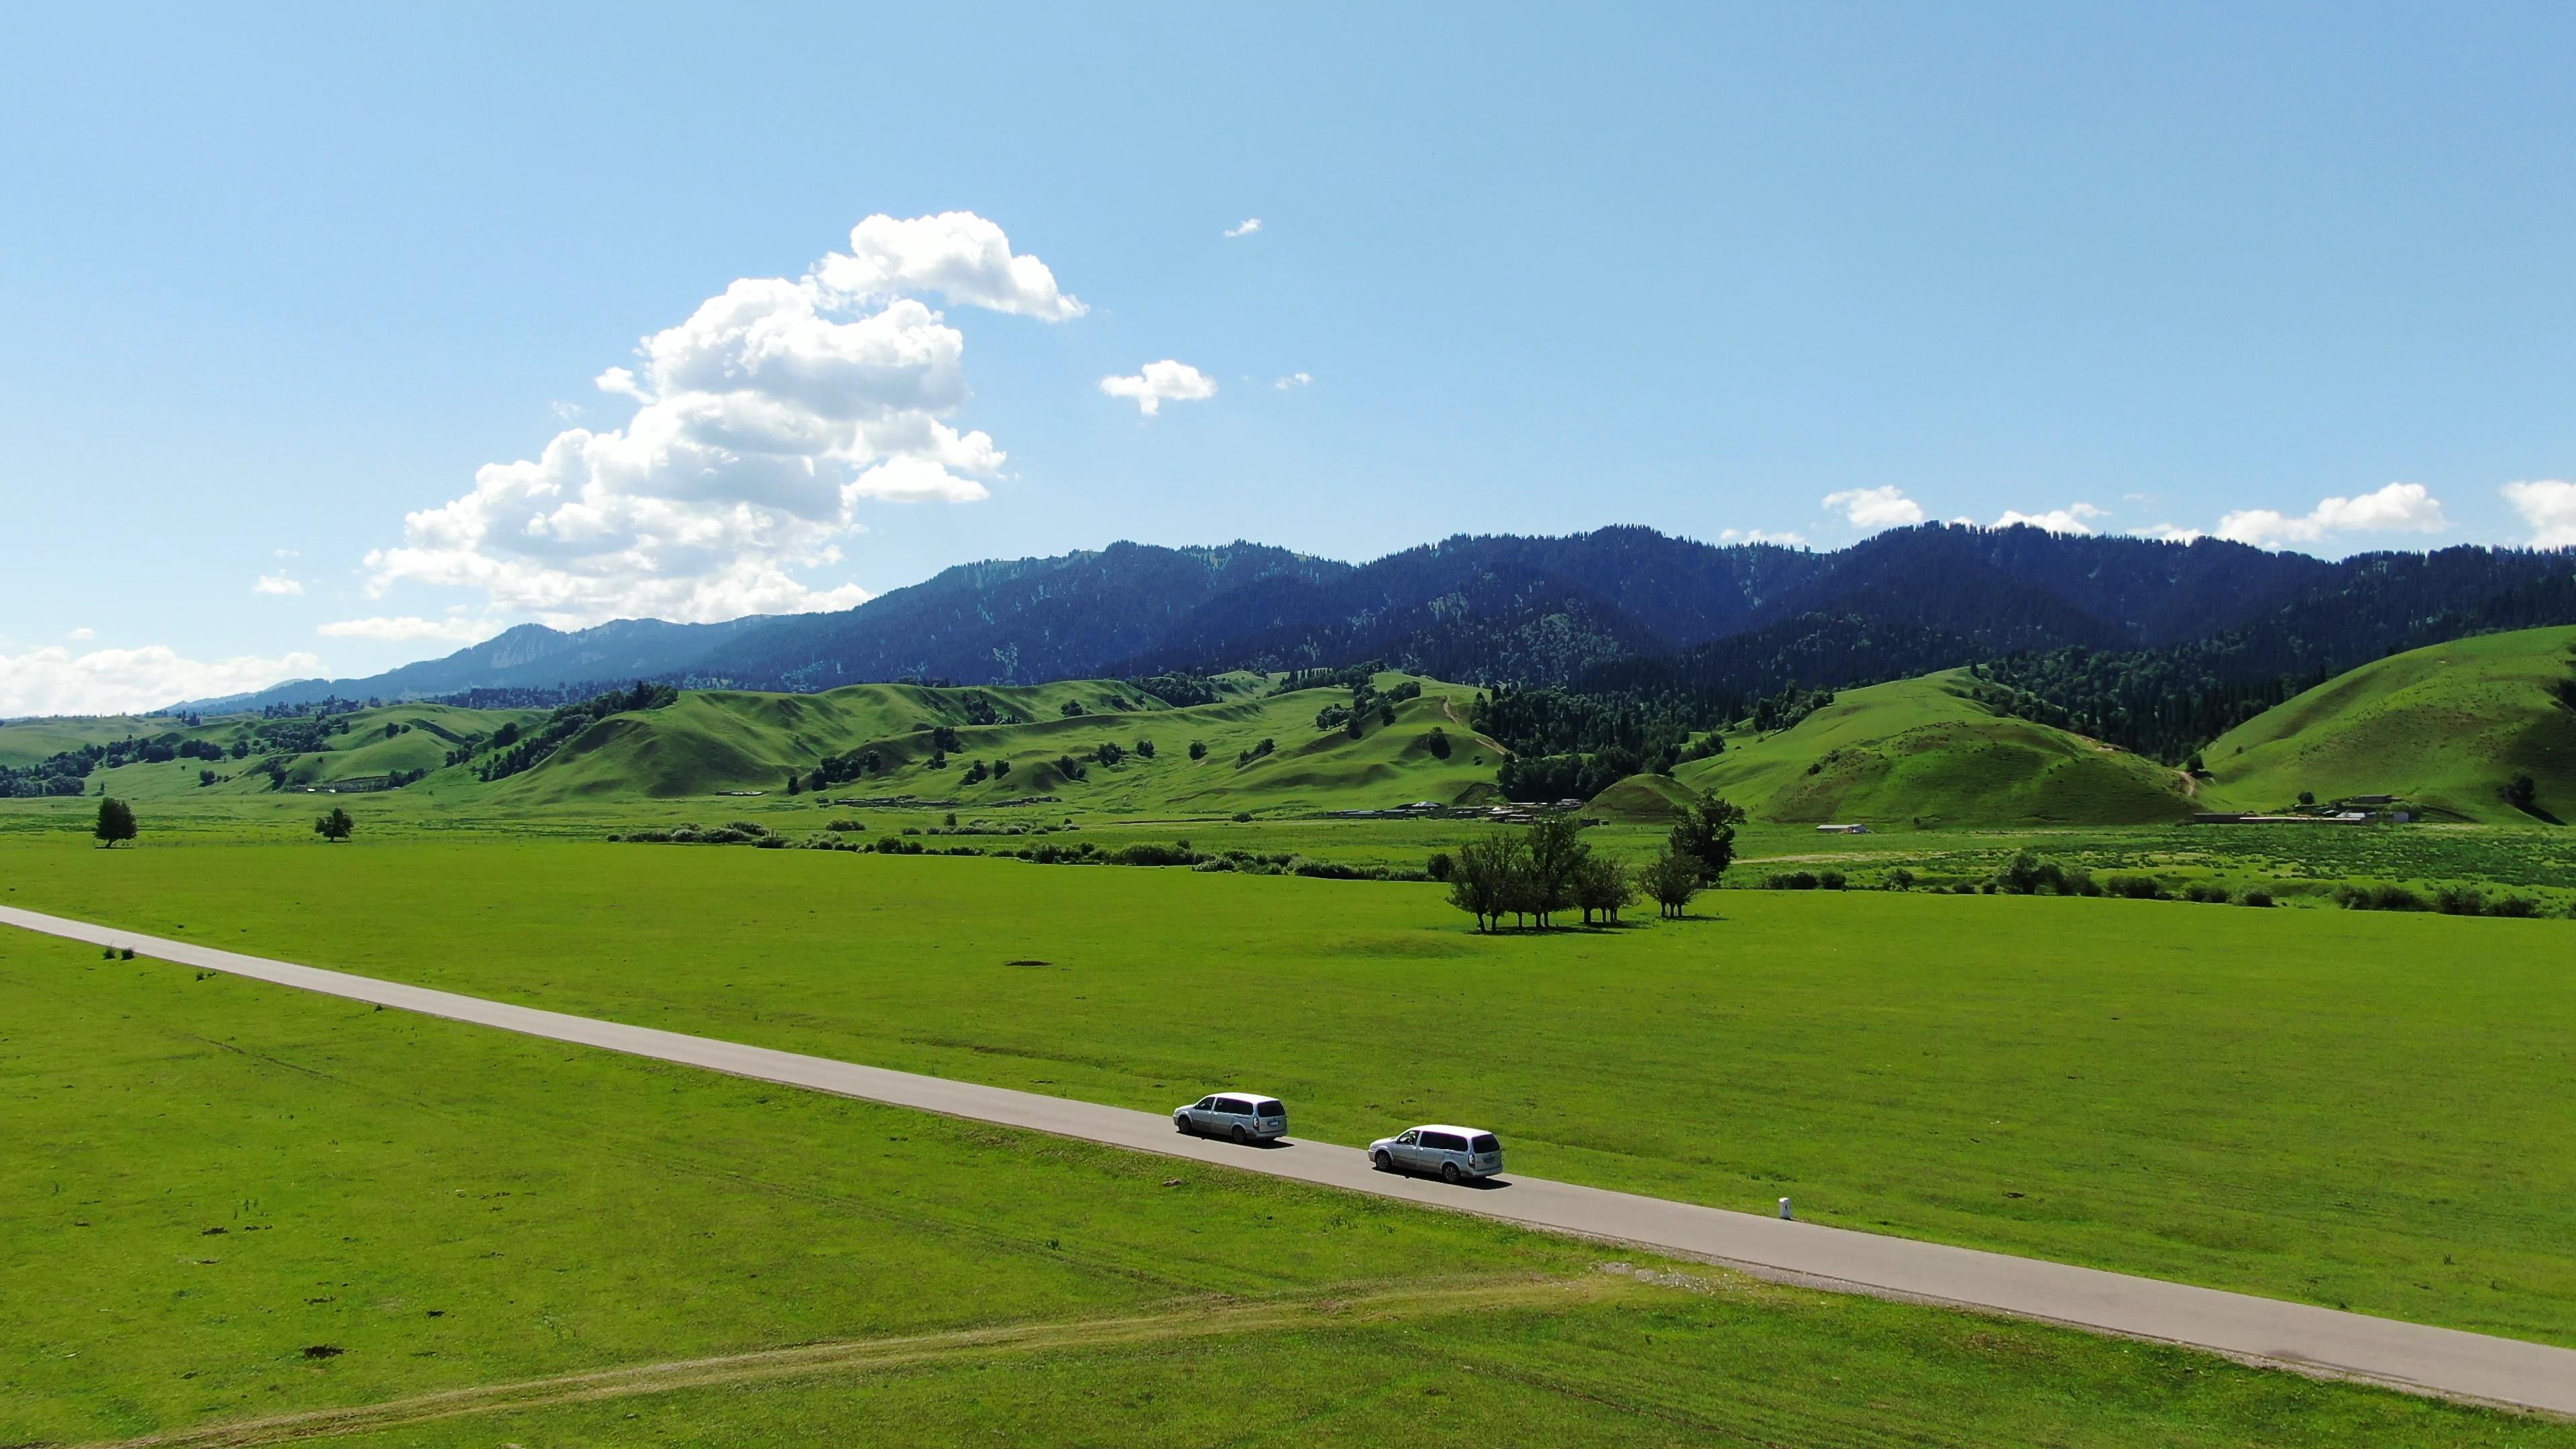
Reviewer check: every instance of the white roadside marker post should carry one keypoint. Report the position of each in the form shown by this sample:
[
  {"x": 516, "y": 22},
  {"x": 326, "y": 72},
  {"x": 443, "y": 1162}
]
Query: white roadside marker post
[{"x": 1784, "y": 1211}]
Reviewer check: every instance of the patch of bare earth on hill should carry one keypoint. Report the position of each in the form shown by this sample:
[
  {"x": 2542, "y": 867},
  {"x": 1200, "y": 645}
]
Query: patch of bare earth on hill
[{"x": 1206, "y": 1318}]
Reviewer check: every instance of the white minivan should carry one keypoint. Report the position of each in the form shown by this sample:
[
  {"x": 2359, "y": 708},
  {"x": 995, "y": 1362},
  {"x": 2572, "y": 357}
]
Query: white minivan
[
  {"x": 1241, "y": 1116},
  {"x": 1456, "y": 1153}
]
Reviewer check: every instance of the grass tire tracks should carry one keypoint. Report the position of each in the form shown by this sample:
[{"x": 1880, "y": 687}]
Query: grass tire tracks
[{"x": 1203, "y": 1318}]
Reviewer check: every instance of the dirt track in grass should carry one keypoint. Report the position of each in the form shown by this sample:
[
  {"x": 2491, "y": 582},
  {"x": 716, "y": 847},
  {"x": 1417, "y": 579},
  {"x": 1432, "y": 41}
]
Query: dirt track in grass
[{"x": 1203, "y": 1318}]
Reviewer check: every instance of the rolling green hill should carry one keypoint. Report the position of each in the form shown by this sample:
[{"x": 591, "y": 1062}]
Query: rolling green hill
[
  {"x": 2445, "y": 728},
  {"x": 29, "y": 741},
  {"x": 1923, "y": 751},
  {"x": 714, "y": 741}
]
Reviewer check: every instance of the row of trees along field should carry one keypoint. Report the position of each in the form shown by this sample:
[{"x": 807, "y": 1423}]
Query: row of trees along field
[{"x": 1536, "y": 874}]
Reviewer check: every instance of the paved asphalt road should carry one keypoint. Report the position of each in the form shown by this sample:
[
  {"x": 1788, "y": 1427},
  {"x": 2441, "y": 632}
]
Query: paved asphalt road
[{"x": 2434, "y": 1360}]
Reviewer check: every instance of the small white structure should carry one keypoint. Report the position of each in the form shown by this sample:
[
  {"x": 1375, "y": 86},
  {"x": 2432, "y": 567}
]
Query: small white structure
[{"x": 1842, "y": 830}]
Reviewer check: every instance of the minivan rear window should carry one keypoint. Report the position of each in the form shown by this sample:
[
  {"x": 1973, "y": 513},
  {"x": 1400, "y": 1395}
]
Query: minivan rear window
[
  {"x": 1485, "y": 1143},
  {"x": 1274, "y": 1109}
]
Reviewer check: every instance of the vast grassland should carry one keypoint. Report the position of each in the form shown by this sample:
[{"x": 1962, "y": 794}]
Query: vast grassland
[
  {"x": 230, "y": 1202},
  {"x": 2347, "y": 1108}
]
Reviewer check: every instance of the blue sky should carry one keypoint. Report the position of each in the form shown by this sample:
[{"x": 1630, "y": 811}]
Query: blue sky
[{"x": 276, "y": 282}]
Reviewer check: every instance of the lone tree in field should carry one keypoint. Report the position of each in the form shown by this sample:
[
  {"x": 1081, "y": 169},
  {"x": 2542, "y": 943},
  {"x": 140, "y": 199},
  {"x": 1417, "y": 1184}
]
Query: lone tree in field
[
  {"x": 336, "y": 826},
  {"x": 115, "y": 822},
  {"x": 1672, "y": 879},
  {"x": 1706, "y": 835},
  {"x": 1198, "y": 749}
]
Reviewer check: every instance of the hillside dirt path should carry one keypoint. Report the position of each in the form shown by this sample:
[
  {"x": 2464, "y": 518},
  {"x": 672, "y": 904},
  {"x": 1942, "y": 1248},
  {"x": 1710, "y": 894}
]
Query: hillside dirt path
[
  {"x": 2443, "y": 1361},
  {"x": 1449, "y": 707},
  {"x": 1204, "y": 1319}
]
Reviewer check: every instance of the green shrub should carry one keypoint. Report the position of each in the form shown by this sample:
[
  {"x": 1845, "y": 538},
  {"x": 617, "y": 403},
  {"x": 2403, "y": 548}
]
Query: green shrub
[
  {"x": 2459, "y": 900},
  {"x": 845, "y": 825},
  {"x": 1900, "y": 879},
  {"x": 2379, "y": 898},
  {"x": 1830, "y": 880},
  {"x": 2206, "y": 892},
  {"x": 2255, "y": 896},
  {"x": 1796, "y": 880},
  {"x": 2518, "y": 907},
  {"x": 2135, "y": 888}
]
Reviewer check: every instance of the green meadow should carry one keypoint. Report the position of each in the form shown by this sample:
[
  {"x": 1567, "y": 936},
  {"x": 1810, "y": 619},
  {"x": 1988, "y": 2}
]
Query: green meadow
[
  {"x": 239, "y": 1214},
  {"x": 2356, "y": 1109}
]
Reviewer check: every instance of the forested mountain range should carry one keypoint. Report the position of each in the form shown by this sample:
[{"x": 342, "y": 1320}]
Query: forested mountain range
[{"x": 2153, "y": 644}]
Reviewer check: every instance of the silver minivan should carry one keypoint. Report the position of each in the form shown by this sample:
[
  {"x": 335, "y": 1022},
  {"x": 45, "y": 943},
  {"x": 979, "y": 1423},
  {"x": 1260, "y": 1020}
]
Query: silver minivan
[
  {"x": 1456, "y": 1153},
  {"x": 1241, "y": 1116}
]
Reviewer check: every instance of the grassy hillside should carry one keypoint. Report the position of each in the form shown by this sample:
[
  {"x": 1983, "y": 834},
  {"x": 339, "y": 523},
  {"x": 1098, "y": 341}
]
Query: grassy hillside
[
  {"x": 29, "y": 741},
  {"x": 2444, "y": 727},
  {"x": 713, "y": 741},
  {"x": 361, "y": 745},
  {"x": 1923, "y": 751}
]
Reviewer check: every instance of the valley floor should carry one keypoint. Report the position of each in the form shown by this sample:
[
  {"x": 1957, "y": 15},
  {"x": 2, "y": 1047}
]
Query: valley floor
[{"x": 236, "y": 1213}]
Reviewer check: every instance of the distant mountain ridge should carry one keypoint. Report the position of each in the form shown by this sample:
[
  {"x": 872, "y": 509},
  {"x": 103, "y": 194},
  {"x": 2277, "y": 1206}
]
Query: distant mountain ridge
[{"x": 1617, "y": 608}]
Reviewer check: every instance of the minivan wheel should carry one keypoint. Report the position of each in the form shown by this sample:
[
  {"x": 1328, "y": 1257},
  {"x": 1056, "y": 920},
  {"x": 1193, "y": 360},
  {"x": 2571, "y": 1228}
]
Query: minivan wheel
[
  {"x": 1241, "y": 1137},
  {"x": 1449, "y": 1173},
  {"x": 1383, "y": 1162}
]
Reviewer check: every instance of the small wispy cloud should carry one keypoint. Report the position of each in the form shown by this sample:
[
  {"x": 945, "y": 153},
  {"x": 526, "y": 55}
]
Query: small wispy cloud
[
  {"x": 1245, "y": 227},
  {"x": 1159, "y": 382},
  {"x": 411, "y": 627},
  {"x": 277, "y": 584},
  {"x": 1761, "y": 535},
  {"x": 2075, "y": 518},
  {"x": 2397, "y": 508},
  {"x": 1294, "y": 380},
  {"x": 2549, "y": 506},
  {"x": 1876, "y": 508}
]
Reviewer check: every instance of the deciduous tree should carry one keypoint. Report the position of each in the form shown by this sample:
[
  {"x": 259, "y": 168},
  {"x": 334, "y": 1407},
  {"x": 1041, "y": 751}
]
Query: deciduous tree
[{"x": 115, "y": 822}]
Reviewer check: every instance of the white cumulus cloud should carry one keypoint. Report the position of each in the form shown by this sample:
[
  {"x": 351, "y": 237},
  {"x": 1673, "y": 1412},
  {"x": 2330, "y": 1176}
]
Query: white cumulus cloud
[
  {"x": 1294, "y": 380},
  {"x": 122, "y": 681},
  {"x": 2075, "y": 518},
  {"x": 2549, "y": 506},
  {"x": 82, "y": 635},
  {"x": 956, "y": 254},
  {"x": 276, "y": 584},
  {"x": 1246, "y": 227},
  {"x": 761, "y": 424},
  {"x": 409, "y": 628},
  {"x": 1876, "y": 508},
  {"x": 1157, "y": 383},
  {"x": 2397, "y": 508}
]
